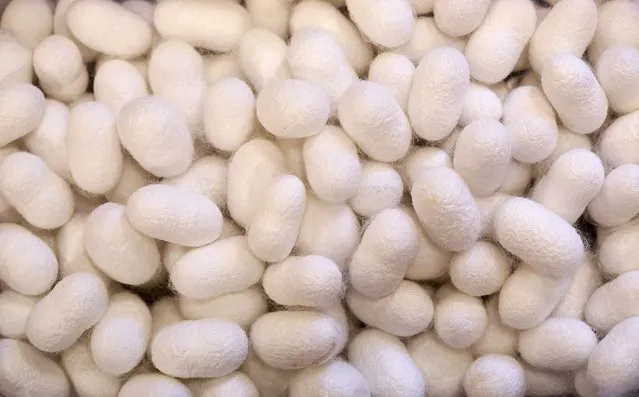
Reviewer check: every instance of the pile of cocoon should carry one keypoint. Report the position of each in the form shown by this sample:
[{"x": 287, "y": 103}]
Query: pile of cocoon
[{"x": 319, "y": 198}]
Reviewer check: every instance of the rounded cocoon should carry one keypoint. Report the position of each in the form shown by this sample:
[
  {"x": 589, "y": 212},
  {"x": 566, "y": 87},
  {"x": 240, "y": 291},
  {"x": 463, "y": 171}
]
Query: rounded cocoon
[
  {"x": 540, "y": 383},
  {"x": 22, "y": 107},
  {"x": 380, "y": 187},
  {"x": 480, "y": 270},
  {"x": 615, "y": 25},
  {"x": 421, "y": 158},
  {"x": 268, "y": 380},
  {"x": 333, "y": 379},
  {"x": 117, "y": 82},
  {"x": 236, "y": 384},
  {"x": 497, "y": 337},
  {"x": 618, "y": 200},
  {"x": 613, "y": 302},
  {"x": 87, "y": 379},
  {"x": 618, "y": 74},
  {"x": 518, "y": 178},
  {"x": 586, "y": 279},
  {"x": 14, "y": 312},
  {"x": 208, "y": 348},
  {"x": 460, "y": 320},
  {"x": 206, "y": 176},
  {"x": 431, "y": 261},
  {"x": 460, "y": 17},
  {"x": 487, "y": 206},
  {"x": 388, "y": 23},
  {"x": 566, "y": 141},
  {"x": 395, "y": 72},
  {"x": 480, "y": 103},
  {"x": 18, "y": 66},
  {"x": 57, "y": 62},
  {"x": 618, "y": 144},
  {"x": 133, "y": 177},
  {"x": 495, "y": 374},
  {"x": 262, "y": 56},
  {"x": 153, "y": 385},
  {"x": 425, "y": 37},
  {"x": 297, "y": 339}
]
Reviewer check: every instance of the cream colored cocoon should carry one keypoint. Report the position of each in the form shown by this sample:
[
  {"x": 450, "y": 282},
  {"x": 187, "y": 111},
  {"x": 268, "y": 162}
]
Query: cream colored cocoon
[
  {"x": 206, "y": 176},
  {"x": 87, "y": 379},
  {"x": 431, "y": 261},
  {"x": 618, "y": 74},
  {"x": 17, "y": 67},
  {"x": 481, "y": 270},
  {"x": 30, "y": 20},
  {"x": 618, "y": 200},
  {"x": 22, "y": 108},
  {"x": 541, "y": 383},
  {"x": 27, "y": 265},
  {"x": 460, "y": 319},
  {"x": 236, "y": 384},
  {"x": 117, "y": 249},
  {"x": 133, "y": 177},
  {"x": 495, "y": 374},
  {"x": 272, "y": 15},
  {"x": 153, "y": 385},
  {"x": 57, "y": 321},
  {"x": 385, "y": 364},
  {"x": 497, "y": 337},
  {"x": 387, "y": 23},
  {"x": 586, "y": 279},
  {"x": 459, "y": 17},
  {"x": 380, "y": 187},
  {"x": 421, "y": 158},
  {"x": 480, "y": 103},
  {"x": 212, "y": 270},
  {"x": 617, "y": 248},
  {"x": 425, "y": 37},
  {"x": 25, "y": 371},
  {"x": 436, "y": 100},
  {"x": 57, "y": 63},
  {"x": 262, "y": 57},
  {"x": 388, "y": 246},
  {"x": 566, "y": 141},
  {"x": 117, "y": 82},
  {"x": 336, "y": 378},
  {"x": 395, "y": 72},
  {"x": 14, "y": 312},
  {"x": 613, "y": 302},
  {"x": 615, "y": 26},
  {"x": 618, "y": 143}
]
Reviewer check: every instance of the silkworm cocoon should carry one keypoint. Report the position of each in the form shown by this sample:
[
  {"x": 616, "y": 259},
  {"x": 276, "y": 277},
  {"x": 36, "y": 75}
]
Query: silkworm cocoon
[
  {"x": 14, "y": 311},
  {"x": 460, "y": 319},
  {"x": 334, "y": 379},
  {"x": 495, "y": 47},
  {"x": 373, "y": 119},
  {"x": 425, "y": 37},
  {"x": 241, "y": 307},
  {"x": 613, "y": 302},
  {"x": 16, "y": 65},
  {"x": 328, "y": 230},
  {"x": 385, "y": 364},
  {"x": 321, "y": 15},
  {"x": 618, "y": 74},
  {"x": 482, "y": 156},
  {"x": 530, "y": 119},
  {"x": 271, "y": 15},
  {"x": 380, "y": 188},
  {"x": 440, "y": 83},
  {"x": 36, "y": 192},
  {"x": 270, "y": 382},
  {"x": 420, "y": 158},
  {"x": 219, "y": 268},
  {"x": 117, "y": 249},
  {"x": 480, "y": 103},
  {"x": 292, "y": 108},
  {"x": 93, "y": 145},
  {"x": 72, "y": 255},
  {"x": 275, "y": 226},
  {"x": 584, "y": 384},
  {"x": 22, "y": 108},
  {"x": 61, "y": 28},
  {"x": 56, "y": 321},
  {"x": 431, "y": 261},
  {"x": 164, "y": 312},
  {"x": 395, "y": 72},
  {"x": 615, "y": 27},
  {"x": 206, "y": 176},
  {"x": 618, "y": 143},
  {"x": 527, "y": 298},
  {"x": 156, "y": 135},
  {"x": 585, "y": 281},
  {"x": 311, "y": 280},
  {"x": 262, "y": 57},
  {"x": 332, "y": 165},
  {"x": 133, "y": 177},
  {"x": 58, "y": 64},
  {"x": 386, "y": 23},
  {"x": 565, "y": 78},
  {"x": 117, "y": 82},
  {"x": 497, "y": 337},
  {"x": 30, "y": 20},
  {"x": 216, "y": 26},
  {"x": 558, "y": 344},
  {"x": 441, "y": 366},
  {"x": 539, "y": 237},
  {"x": 422, "y": 6},
  {"x": 495, "y": 374},
  {"x": 236, "y": 384},
  {"x": 25, "y": 371},
  {"x": 480, "y": 270},
  {"x": 459, "y": 17},
  {"x": 153, "y": 385},
  {"x": 566, "y": 141},
  {"x": 616, "y": 203},
  {"x": 388, "y": 246},
  {"x": 219, "y": 66},
  {"x": 141, "y": 7},
  {"x": 293, "y": 151},
  {"x": 407, "y": 311},
  {"x": 518, "y": 178},
  {"x": 250, "y": 172},
  {"x": 87, "y": 379},
  {"x": 109, "y": 28},
  {"x": 446, "y": 209},
  {"x": 48, "y": 140},
  {"x": 616, "y": 248},
  {"x": 613, "y": 364}
]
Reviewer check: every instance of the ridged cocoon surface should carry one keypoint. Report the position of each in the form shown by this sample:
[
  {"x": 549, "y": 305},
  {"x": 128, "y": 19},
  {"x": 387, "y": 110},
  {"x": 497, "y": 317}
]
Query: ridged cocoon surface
[
  {"x": 333, "y": 379},
  {"x": 618, "y": 74},
  {"x": 296, "y": 339},
  {"x": 27, "y": 265},
  {"x": 617, "y": 248},
  {"x": 385, "y": 364},
  {"x": 275, "y": 226},
  {"x": 262, "y": 57},
  {"x": 219, "y": 268},
  {"x": 117, "y": 82},
  {"x": 436, "y": 100},
  {"x": 22, "y": 108},
  {"x": 30, "y": 20},
  {"x": 518, "y": 178},
  {"x": 446, "y": 209},
  {"x": 407, "y": 311},
  {"x": 72, "y": 255},
  {"x": 35, "y": 191},
  {"x": 566, "y": 141},
  {"x": 73, "y": 306},
  {"x": 459, "y": 17},
  {"x": 495, "y": 374},
  {"x": 539, "y": 237},
  {"x": 25, "y": 371},
  {"x": 388, "y": 246},
  {"x": 156, "y": 135},
  {"x": 586, "y": 279},
  {"x": 216, "y": 26},
  {"x": 153, "y": 385},
  {"x": 425, "y": 37},
  {"x": 236, "y": 384},
  {"x": 208, "y": 348},
  {"x": 575, "y": 93},
  {"x": 388, "y": 23},
  {"x": 431, "y": 262},
  {"x": 117, "y": 249},
  {"x": 87, "y": 379},
  {"x": 613, "y": 302},
  {"x": 480, "y": 270},
  {"x": 480, "y": 103},
  {"x": 460, "y": 319},
  {"x": 380, "y": 187},
  {"x": 14, "y": 312},
  {"x": 618, "y": 201},
  {"x": 487, "y": 207},
  {"x": 206, "y": 176},
  {"x": 395, "y": 72},
  {"x": 57, "y": 63},
  {"x": 618, "y": 144},
  {"x": 420, "y": 158},
  {"x": 373, "y": 119},
  {"x": 497, "y": 337},
  {"x": 616, "y": 25},
  {"x": 17, "y": 67},
  {"x": 109, "y": 28}
]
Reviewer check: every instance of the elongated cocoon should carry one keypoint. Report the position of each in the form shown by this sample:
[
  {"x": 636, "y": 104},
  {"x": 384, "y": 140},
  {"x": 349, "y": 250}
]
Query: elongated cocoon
[
  {"x": 35, "y": 191},
  {"x": 206, "y": 176},
  {"x": 88, "y": 380},
  {"x": 22, "y": 108},
  {"x": 566, "y": 141},
  {"x": 109, "y": 28},
  {"x": 460, "y": 319},
  {"x": 618, "y": 74},
  {"x": 585, "y": 281},
  {"x": 613, "y": 302},
  {"x": 57, "y": 62},
  {"x": 296, "y": 339},
  {"x": 389, "y": 244},
  {"x": 420, "y": 158},
  {"x": 386, "y": 364},
  {"x": 18, "y": 65},
  {"x": 153, "y": 385},
  {"x": 272, "y": 15},
  {"x": 437, "y": 97},
  {"x": 395, "y": 72},
  {"x": 28, "y": 265},
  {"x": 618, "y": 200},
  {"x": 262, "y": 56},
  {"x": 216, "y": 26},
  {"x": 332, "y": 165},
  {"x": 480, "y": 270},
  {"x": 14, "y": 312},
  {"x": 269, "y": 381},
  {"x": 117, "y": 82},
  {"x": 235, "y": 384},
  {"x": 334, "y": 379},
  {"x": 117, "y": 249},
  {"x": 164, "y": 312},
  {"x": 30, "y": 20},
  {"x": 527, "y": 298},
  {"x": 380, "y": 187},
  {"x": 615, "y": 26},
  {"x": 480, "y": 102},
  {"x": 618, "y": 144},
  {"x": 446, "y": 209},
  {"x": 388, "y": 23},
  {"x": 495, "y": 47},
  {"x": 25, "y": 371},
  {"x": 431, "y": 261},
  {"x": 495, "y": 374},
  {"x": 539, "y": 237},
  {"x": 566, "y": 79},
  {"x": 221, "y": 267},
  {"x": 425, "y": 37},
  {"x": 617, "y": 248},
  {"x": 459, "y": 17},
  {"x": 56, "y": 322},
  {"x": 497, "y": 337}
]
